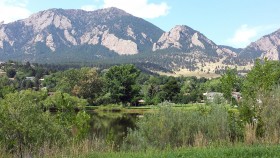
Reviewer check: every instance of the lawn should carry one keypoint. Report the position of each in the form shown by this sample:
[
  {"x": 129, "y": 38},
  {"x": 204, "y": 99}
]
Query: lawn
[{"x": 140, "y": 109}]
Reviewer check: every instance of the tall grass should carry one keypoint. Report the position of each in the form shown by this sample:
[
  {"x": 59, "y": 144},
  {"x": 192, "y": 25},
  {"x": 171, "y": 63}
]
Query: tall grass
[
  {"x": 175, "y": 128},
  {"x": 250, "y": 134},
  {"x": 264, "y": 118},
  {"x": 208, "y": 152},
  {"x": 72, "y": 148},
  {"x": 270, "y": 114}
]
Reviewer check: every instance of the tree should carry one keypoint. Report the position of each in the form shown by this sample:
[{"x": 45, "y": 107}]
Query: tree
[
  {"x": 230, "y": 82},
  {"x": 26, "y": 84},
  {"x": 68, "y": 79},
  {"x": 261, "y": 79},
  {"x": 23, "y": 123},
  {"x": 258, "y": 84},
  {"x": 213, "y": 85},
  {"x": 151, "y": 90},
  {"x": 171, "y": 89},
  {"x": 26, "y": 124},
  {"x": 89, "y": 86},
  {"x": 66, "y": 107},
  {"x": 121, "y": 83},
  {"x": 6, "y": 86},
  {"x": 11, "y": 73}
]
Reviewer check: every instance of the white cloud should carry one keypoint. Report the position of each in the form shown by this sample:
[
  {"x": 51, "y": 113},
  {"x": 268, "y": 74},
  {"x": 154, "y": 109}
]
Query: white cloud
[
  {"x": 140, "y": 8},
  {"x": 89, "y": 7},
  {"x": 244, "y": 35},
  {"x": 11, "y": 10}
]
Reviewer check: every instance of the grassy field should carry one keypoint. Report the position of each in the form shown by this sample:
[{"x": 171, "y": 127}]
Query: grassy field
[
  {"x": 140, "y": 109},
  {"x": 220, "y": 152},
  {"x": 208, "y": 70}
]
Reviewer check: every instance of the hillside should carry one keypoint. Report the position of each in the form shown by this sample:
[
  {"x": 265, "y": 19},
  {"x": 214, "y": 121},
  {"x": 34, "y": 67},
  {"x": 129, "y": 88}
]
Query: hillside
[
  {"x": 266, "y": 47},
  {"x": 102, "y": 33},
  {"x": 112, "y": 36}
]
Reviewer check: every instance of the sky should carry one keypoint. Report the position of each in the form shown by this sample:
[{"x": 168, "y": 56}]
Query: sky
[{"x": 235, "y": 23}]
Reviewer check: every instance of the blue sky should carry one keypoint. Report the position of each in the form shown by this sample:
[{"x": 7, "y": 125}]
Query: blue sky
[{"x": 227, "y": 22}]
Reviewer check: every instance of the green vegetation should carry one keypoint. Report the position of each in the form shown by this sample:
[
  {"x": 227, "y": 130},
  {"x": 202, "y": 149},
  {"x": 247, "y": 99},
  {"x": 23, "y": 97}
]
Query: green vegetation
[
  {"x": 121, "y": 84},
  {"x": 27, "y": 124},
  {"x": 175, "y": 128},
  {"x": 230, "y": 82},
  {"x": 43, "y": 112},
  {"x": 211, "y": 152}
]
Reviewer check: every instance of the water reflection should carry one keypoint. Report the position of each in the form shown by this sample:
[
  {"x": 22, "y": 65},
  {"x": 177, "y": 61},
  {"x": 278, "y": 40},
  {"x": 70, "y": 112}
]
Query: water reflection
[{"x": 112, "y": 127}]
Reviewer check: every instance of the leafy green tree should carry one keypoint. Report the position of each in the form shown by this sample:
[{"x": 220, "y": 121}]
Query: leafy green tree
[
  {"x": 230, "y": 82},
  {"x": 6, "y": 90},
  {"x": 152, "y": 92},
  {"x": 66, "y": 107},
  {"x": 85, "y": 82},
  {"x": 66, "y": 80},
  {"x": 190, "y": 90},
  {"x": 11, "y": 73},
  {"x": 89, "y": 86},
  {"x": 50, "y": 82},
  {"x": 26, "y": 84},
  {"x": 26, "y": 124},
  {"x": 261, "y": 79},
  {"x": 213, "y": 85},
  {"x": 150, "y": 89},
  {"x": 6, "y": 86},
  {"x": 121, "y": 83},
  {"x": 171, "y": 89},
  {"x": 258, "y": 84}
]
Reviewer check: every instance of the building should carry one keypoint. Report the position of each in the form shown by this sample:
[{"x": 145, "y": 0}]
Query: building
[
  {"x": 211, "y": 95},
  {"x": 30, "y": 78}
]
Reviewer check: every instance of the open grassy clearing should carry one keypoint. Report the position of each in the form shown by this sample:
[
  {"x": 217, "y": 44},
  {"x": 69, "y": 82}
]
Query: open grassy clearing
[
  {"x": 208, "y": 70},
  {"x": 140, "y": 109}
]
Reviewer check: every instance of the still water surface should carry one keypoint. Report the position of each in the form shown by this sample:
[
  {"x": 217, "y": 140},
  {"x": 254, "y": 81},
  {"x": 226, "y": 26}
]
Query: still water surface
[{"x": 112, "y": 127}]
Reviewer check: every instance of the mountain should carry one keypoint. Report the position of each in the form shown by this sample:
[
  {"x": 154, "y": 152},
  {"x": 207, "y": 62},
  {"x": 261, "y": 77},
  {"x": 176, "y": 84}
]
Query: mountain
[
  {"x": 57, "y": 32},
  {"x": 193, "y": 50},
  {"x": 185, "y": 39},
  {"x": 266, "y": 47},
  {"x": 112, "y": 36}
]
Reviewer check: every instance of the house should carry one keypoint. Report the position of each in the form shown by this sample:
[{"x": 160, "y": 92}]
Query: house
[
  {"x": 141, "y": 102},
  {"x": 30, "y": 78},
  {"x": 211, "y": 95}
]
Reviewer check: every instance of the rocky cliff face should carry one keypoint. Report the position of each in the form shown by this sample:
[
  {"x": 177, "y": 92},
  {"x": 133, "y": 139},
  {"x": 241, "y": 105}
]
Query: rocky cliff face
[
  {"x": 55, "y": 30},
  {"x": 112, "y": 32},
  {"x": 184, "y": 38},
  {"x": 266, "y": 47}
]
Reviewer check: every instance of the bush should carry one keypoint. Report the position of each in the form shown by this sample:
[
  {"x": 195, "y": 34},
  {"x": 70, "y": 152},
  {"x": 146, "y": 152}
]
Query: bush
[
  {"x": 270, "y": 116},
  {"x": 263, "y": 112},
  {"x": 26, "y": 126},
  {"x": 174, "y": 128}
]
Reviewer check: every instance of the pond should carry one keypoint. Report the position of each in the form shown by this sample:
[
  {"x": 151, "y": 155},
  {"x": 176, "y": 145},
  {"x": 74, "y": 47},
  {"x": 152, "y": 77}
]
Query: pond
[{"x": 112, "y": 126}]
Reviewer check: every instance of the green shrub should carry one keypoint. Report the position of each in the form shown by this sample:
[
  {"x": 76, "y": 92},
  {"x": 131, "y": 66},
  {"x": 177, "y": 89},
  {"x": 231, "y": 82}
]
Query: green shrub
[
  {"x": 176, "y": 128},
  {"x": 27, "y": 126},
  {"x": 270, "y": 116}
]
